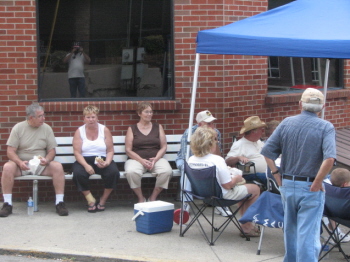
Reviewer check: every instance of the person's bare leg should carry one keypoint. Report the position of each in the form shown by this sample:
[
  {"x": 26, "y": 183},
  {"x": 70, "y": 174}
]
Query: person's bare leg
[
  {"x": 138, "y": 192},
  {"x": 155, "y": 193},
  {"x": 104, "y": 197},
  {"x": 255, "y": 191},
  {"x": 9, "y": 172},
  {"x": 55, "y": 170}
]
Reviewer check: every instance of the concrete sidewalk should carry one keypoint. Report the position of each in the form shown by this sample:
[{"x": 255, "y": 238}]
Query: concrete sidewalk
[{"x": 111, "y": 236}]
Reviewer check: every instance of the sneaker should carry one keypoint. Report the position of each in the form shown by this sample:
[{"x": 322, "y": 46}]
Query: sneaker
[
  {"x": 225, "y": 212},
  {"x": 61, "y": 209},
  {"x": 6, "y": 210},
  {"x": 341, "y": 235},
  {"x": 187, "y": 207}
]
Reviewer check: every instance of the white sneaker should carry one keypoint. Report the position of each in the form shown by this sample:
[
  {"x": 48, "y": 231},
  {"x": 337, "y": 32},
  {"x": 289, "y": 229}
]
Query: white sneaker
[
  {"x": 187, "y": 207},
  {"x": 342, "y": 234},
  {"x": 221, "y": 211}
]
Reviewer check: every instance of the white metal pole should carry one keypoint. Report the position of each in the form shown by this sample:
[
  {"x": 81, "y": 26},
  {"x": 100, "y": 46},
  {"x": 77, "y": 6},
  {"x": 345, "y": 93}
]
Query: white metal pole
[
  {"x": 190, "y": 123},
  {"x": 325, "y": 85}
]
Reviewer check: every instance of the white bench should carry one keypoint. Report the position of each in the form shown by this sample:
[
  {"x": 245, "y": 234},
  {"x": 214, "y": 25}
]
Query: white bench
[{"x": 65, "y": 155}]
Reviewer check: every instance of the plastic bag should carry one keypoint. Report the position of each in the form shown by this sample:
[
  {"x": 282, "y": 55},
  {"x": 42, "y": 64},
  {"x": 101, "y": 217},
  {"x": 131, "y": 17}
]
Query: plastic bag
[
  {"x": 33, "y": 164},
  {"x": 236, "y": 172}
]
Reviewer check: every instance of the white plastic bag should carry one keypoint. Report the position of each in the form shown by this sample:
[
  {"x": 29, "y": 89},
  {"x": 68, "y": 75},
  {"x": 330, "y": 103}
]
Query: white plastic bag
[
  {"x": 237, "y": 172},
  {"x": 33, "y": 165}
]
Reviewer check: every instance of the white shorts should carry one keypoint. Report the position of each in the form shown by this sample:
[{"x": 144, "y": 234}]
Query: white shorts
[
  {"x": 38, "y": 171},
  {"x": 238, "y": 192}
]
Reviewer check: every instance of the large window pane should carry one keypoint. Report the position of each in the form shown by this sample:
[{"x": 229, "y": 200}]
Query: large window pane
[
  {"x": 129, "y": 43},
  {"x": 286, "y": 72}
]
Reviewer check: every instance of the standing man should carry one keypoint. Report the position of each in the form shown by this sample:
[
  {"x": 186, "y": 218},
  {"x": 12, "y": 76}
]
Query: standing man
[
  {"x": 307, "y": 145},
  {"x": 203, "y": 118},
  {"x": 76, "y": 60},
  {"x": 30, "y": 138}
]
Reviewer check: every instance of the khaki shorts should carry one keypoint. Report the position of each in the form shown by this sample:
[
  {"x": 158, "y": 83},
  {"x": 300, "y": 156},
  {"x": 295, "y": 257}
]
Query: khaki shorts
[
  {"x": 38, "y": 171},
  {"x": 238, "y": 192}
]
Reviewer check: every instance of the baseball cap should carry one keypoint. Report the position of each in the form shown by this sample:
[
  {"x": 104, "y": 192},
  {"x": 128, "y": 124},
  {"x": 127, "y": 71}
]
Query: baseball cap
[
  {"x": 205, "y": 116},
  {"x": 312, "y": 96}
]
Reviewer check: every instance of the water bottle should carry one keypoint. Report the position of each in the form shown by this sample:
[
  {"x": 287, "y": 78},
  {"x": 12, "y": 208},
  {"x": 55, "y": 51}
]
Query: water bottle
[
  {"x": 30, "y": 205},
  {"x": 325, "y": 249}
]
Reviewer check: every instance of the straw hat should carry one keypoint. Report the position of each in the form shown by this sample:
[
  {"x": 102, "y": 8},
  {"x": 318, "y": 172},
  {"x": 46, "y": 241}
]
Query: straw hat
[{"x": 252, "y": 122}]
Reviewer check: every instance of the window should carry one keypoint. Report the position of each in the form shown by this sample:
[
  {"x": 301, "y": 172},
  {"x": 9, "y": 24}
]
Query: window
[
  {"x": 129, "y": 43},
  {"x": 287, "y": 72}
]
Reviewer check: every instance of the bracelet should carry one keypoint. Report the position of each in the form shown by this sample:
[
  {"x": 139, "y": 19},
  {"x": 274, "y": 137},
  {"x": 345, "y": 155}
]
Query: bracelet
[{"x": 276, "y": 172}]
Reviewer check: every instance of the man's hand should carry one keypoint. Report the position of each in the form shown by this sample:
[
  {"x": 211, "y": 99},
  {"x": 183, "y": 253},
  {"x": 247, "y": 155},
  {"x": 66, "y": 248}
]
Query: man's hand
[
  {"x": 316, "y": 186},
  {"x": 24, "y": 165}
]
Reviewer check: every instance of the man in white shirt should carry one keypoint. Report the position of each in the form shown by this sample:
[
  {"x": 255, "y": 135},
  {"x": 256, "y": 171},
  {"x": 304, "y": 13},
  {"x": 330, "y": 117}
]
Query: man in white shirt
[{"x": 248, "y": 149}]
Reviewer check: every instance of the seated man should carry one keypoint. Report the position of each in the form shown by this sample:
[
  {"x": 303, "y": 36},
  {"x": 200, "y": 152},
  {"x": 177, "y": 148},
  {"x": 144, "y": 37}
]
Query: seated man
[
  {"x": 30, "y": 138},
  {"x": 248, "y": 148},
  {"x": 335, "y": 204},
  {"x": 203, "y": 118}
]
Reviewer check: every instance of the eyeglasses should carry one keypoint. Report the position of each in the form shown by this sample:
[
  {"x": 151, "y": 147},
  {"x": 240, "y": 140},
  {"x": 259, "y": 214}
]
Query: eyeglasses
[
  {"x": 40, "y": 116},
  {"x": 148, "y": 112}
]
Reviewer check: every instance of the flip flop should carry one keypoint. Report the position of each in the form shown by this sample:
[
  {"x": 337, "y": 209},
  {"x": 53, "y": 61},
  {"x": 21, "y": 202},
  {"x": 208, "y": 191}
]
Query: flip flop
[
  {"x": 252, "y": 233},
  {"x": 100, "y": 208},
  {"x": 92, "y": 206}
]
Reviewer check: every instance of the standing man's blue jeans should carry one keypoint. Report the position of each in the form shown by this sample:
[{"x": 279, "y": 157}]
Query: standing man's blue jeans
[
  {"x": 303, "y": 211},
  {"x": 77, "y": 83}
]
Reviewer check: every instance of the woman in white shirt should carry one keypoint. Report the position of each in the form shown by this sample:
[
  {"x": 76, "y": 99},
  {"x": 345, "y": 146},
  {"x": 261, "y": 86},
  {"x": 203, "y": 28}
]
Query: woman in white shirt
[
  {"x": 93, "y": 150},
  {"x": 203, "y": 144}
]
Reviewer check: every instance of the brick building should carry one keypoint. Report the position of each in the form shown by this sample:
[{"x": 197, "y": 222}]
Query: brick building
[{"x": 231, "y": 87}]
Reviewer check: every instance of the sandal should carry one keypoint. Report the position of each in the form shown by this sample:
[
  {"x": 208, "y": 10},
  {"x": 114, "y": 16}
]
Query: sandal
[
  {"x": 92, "y": 208},
  {"x": 100, "y": 208},
  {"x": 252, "y": 233}
]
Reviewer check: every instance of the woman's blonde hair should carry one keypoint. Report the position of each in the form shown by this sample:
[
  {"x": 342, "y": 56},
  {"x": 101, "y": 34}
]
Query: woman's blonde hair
[
  {"x": 203, "y": 140},
  {"x": 90, "y": 110},
  {"x": 142, "y": 106}
]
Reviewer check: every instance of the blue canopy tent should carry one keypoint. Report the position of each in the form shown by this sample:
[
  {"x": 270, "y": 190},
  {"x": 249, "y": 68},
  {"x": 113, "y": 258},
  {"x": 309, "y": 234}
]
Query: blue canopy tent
[{"x": 302, "y": 28}]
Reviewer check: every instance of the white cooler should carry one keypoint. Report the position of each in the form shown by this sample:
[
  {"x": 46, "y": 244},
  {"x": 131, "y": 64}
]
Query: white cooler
[{"x": 153, "y": 217}]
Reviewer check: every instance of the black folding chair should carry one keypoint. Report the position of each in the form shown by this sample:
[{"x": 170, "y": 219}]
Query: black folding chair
[
  {"x": 205, "y": 187},
  {"x": 337, "y": 201}
]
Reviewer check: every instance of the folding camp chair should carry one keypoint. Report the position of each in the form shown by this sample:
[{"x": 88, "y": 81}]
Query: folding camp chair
[
  {"x": 266, "y": 211},
  {"x": 205, "y": 187},
  {"x": 336, "y": 208},
  {"x": 273, "y": 188}
]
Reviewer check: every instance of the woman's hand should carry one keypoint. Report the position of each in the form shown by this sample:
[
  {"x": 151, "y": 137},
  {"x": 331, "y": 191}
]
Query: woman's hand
[
  {"x": 102, "y": 164},
  {"x": 89, "y": 169},
  {"x": 147, "y": 163},
  {"x": 153, "y": 162}
]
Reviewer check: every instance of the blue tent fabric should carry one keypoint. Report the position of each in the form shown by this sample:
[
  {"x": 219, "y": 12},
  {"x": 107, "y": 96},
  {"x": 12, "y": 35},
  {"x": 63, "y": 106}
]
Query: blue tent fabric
[
  {"x": 267, "y": 211},
  {"x": 302, "y": 28}
]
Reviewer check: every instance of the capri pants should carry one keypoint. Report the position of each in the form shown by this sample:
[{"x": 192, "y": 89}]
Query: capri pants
[
  {"x": 109, "y": 174},
  {"x": 134, "y": 171}
]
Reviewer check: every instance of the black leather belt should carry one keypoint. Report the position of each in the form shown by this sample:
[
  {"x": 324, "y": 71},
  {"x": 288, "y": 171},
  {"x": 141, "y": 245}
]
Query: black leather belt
[{"x": 299, "y": 178}]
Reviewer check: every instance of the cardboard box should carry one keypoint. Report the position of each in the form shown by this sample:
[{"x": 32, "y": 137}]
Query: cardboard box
[{"x": 154, "y": 217}]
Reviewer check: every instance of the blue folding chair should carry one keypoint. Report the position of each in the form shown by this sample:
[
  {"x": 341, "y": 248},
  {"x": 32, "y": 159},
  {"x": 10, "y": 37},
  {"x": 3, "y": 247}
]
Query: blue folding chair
[
  {"x": 205, "y": 187},
  {"x": 266, "y": 211},
  {"x": 337, "y": 206}
]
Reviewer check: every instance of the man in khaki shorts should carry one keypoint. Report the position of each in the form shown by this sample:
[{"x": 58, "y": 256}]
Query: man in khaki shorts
[{"x": 30, "y": 138}]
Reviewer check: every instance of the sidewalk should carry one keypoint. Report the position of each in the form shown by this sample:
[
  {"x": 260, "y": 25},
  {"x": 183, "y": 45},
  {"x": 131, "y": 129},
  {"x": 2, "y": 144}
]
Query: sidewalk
[{"x": 112, "y": 234}]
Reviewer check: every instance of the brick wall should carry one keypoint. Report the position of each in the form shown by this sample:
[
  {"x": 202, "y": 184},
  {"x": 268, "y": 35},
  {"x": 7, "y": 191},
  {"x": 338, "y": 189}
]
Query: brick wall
[{"x": 232, "y": 87}]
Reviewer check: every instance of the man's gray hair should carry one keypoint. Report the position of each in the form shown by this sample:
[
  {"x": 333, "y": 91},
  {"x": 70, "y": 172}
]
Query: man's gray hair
[
  {"x": 315, "y": 108},
  {"x": 31, "y": 109}
]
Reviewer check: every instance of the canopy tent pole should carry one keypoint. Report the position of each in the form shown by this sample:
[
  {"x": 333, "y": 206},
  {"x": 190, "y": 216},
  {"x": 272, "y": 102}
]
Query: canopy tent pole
[
  {"x": 325, "y": 85},
  {"x": 319, "y": 71},
  {"x": 292, "y": 70},
  {"x": 193, "y": 101}
]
